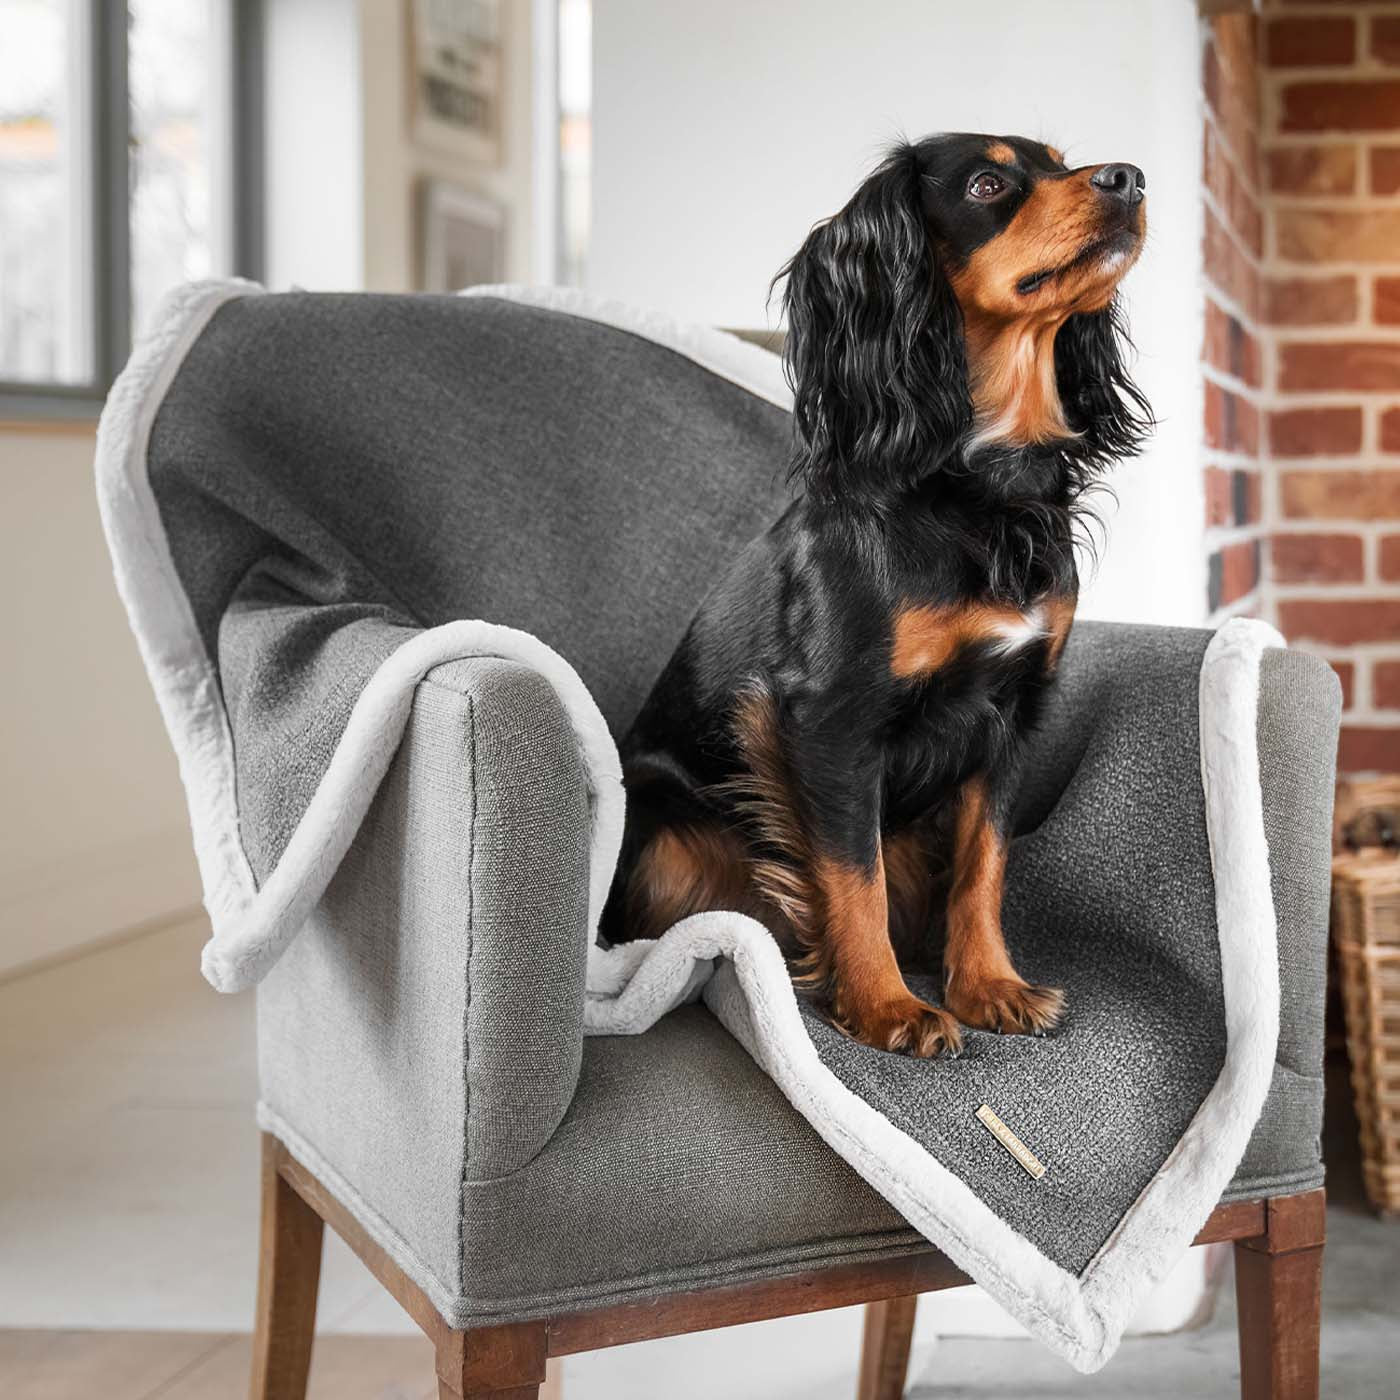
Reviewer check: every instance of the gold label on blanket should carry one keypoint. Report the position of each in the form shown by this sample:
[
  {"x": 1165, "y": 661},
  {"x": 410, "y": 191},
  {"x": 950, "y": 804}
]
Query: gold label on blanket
[{"x": 1011, "y": 1142}]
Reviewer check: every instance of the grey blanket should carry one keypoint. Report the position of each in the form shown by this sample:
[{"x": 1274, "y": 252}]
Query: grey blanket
[{"x": 311, "y": 500}]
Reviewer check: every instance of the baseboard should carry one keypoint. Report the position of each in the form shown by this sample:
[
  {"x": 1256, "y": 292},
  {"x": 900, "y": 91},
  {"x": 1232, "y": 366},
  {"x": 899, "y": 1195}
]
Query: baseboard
[{"x": 96, "y": 899}]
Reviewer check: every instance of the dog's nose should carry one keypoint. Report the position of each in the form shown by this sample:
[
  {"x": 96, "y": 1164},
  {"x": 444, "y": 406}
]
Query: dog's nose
[{"x": 1125, "y": 182}]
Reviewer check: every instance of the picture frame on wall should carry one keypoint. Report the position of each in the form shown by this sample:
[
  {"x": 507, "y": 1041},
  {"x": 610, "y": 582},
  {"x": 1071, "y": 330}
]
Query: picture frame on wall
[
  {"x": 455, "y": 83},
  {"x": 462, "y": 238}
]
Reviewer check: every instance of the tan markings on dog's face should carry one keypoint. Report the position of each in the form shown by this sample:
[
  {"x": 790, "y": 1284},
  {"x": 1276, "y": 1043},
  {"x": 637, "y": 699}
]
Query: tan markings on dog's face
[
  {"x": 1064, "y": 229},
  {"x": 1001, "y": 153},
  {"x": 1064, "y": 251}
]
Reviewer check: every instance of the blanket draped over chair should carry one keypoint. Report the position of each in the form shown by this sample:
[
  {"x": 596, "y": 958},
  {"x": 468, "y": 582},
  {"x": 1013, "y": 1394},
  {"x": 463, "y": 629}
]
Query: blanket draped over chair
[{"x": 313, "y": 500}]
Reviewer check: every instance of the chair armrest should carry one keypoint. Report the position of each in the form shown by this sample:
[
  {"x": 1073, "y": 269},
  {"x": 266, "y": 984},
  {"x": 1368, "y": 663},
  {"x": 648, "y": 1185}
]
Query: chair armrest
[
  {"x": 426, "y": 1027},
  {"x": 1110, "y": 672},
  {"x": 1300, "y": 703}
]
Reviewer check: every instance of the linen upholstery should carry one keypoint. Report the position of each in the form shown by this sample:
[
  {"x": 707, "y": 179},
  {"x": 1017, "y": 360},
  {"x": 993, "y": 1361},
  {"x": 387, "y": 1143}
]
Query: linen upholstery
[
  {"x": 428, "y": 1023},
  {"x": 676, "y": 1162}
]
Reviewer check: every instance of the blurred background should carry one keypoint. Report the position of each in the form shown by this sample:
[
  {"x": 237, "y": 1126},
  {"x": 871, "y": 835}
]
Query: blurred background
[{"x": 671, "y": 155}]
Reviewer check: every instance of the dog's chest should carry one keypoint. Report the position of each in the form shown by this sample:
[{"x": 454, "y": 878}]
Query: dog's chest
[{"x": 928, "y": 638}]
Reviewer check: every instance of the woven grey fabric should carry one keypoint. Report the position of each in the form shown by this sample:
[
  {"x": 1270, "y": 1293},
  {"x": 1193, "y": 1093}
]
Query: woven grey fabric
[
  {"x": 335, "y": 473},
  {"x": 422, "y": 459},
  {"x": 1111, "y": 898},
  {"x": 1300, "y": 706},
  {"x": 434, "y": 1004},
  {"x": 677, "y": 1163}
]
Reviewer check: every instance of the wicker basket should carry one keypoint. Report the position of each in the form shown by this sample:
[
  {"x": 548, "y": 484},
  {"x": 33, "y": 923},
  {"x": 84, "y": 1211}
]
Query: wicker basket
[{"x": 1366, "y": 930}]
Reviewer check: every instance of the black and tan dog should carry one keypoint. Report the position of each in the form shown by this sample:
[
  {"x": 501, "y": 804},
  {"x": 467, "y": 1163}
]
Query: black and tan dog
[{"x": 835, "y": 744}]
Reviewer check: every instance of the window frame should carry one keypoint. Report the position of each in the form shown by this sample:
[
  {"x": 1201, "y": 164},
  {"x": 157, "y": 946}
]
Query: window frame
[{"x": 109, "y": 137}]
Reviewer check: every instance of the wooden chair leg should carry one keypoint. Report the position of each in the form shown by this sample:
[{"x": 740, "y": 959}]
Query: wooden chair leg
[
  {"x": 884, "y": 1348},
  {"x": 493, "y": 1363},
  {"x": 519, "y": 1392},
  {"x": 1278, "y": 1285},
  {"x": 289, "y": 1271}
]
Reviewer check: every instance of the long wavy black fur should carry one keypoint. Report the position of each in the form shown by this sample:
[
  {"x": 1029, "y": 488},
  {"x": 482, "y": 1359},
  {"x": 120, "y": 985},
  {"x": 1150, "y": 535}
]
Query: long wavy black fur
[
  {"x": 874, "y": 350},
  {"x": 876, "y": 361}
]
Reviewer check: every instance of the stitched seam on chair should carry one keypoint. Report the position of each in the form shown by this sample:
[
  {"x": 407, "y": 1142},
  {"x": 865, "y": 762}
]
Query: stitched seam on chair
[{"x": 472, "y": 773}]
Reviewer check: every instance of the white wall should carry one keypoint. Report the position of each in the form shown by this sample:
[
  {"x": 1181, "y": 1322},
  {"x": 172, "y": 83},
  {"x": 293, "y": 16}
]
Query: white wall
[
  {"x": 312, "y": 96},
  {"x": 722, "y": 131},
  {"x": 93, "y": 835}
]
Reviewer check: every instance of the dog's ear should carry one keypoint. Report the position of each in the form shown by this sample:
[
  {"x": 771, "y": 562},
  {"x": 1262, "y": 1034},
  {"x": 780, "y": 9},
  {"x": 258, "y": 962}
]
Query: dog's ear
[
  {"x": 874, "y": 350},
  {"x": 1101, "y": 402}
]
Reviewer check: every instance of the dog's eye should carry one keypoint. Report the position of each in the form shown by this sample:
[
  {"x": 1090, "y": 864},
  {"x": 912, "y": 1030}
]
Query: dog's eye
[{"x": 986, "y": 185}]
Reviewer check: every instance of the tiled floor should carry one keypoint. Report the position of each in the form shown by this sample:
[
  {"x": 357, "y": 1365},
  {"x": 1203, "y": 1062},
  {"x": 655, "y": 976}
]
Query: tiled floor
[
  {"x": 201, "y": 1366},
  {"x": 129, "y": 1174},
  {"x": 128, "y": 1209}
]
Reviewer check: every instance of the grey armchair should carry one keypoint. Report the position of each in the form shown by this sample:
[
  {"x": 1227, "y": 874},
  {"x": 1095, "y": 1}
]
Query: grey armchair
[
  {"x": 537, "y": 1178},
  {"x": 426, "y": 1085}
]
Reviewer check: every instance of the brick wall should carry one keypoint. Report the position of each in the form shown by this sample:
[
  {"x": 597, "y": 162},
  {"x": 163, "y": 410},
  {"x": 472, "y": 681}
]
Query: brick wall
[
  {"x": 1232, "y": 355},
  {"x": 1329, "y": 82}
]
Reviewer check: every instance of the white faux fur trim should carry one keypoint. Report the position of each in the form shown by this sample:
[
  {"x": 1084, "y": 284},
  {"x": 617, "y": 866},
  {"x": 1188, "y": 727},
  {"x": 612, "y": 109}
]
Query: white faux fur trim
[
  {"x": 253, "y": 927},
  {"x": 750, "y": 367},
  {"x": 185, "y": 684},
  {"x": 732, "y": 959},
  {"x": 243, "y": 951},
  {"x": 1081, "y": 1318}
]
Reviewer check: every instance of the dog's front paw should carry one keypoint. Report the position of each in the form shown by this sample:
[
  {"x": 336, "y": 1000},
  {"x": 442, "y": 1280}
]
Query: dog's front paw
[
  {"x": 1008, "y": 1005},
  {"x": 904, "y": 1025}
]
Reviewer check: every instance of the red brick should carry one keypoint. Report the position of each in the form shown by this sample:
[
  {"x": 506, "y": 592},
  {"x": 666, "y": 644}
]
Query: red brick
[
  {"x": 1228, "y": 346},
  {"x": 1385, "y": 685},
  {"x": 1385, "y": 169},
  {"x": 1237, "y": 41},
  {"x": 1390, "y": 558},
  {"x": 1372, "y": 105},
  {"x": 1311, "y": 43},
  {"x": 1346, "y": 673},
  {"x": 1219, "y": 507},
  {"x": 1337, "y": 235},
  {"x": 1228, "y": 266},
  {"x": 1345, "y": 364},
  {"x": 1231, "y": 422},
  {"x": 1235, "y": 106},
  {"x": 1340, "y": 494},
  {"x": 1233, "y": 573},
  {"x": 1370, "y": 749},
  {"x": 1312, "y": 169},
  {"x": 1317, "y": 559},
  {"x": 1387, "y": 304},
  {"x": 1313, "y": 432},
  {"x": 1340, "y": 621},
  {"x": 1249, "y": 498},
  {"x": 1390, "y": 430},
  {"x": 1311, "y": 301},
  {"x": 1385, "y": 39},
  {"x": 1222, "y": 178},
  {"x": 1240, "y": 571}
]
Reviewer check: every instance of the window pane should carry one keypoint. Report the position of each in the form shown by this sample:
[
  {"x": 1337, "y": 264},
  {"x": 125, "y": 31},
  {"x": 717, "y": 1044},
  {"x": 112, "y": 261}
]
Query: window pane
[
  {"x": 46, "y": 326},
  {"x": 179, "y": 76}
]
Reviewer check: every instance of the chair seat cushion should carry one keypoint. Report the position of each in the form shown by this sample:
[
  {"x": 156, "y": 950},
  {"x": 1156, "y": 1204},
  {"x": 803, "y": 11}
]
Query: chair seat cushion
[{"x": 680, "y": 1165}]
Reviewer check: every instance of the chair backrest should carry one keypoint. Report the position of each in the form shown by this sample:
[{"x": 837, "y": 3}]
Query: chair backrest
[{"x": 451, "y": 457}]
